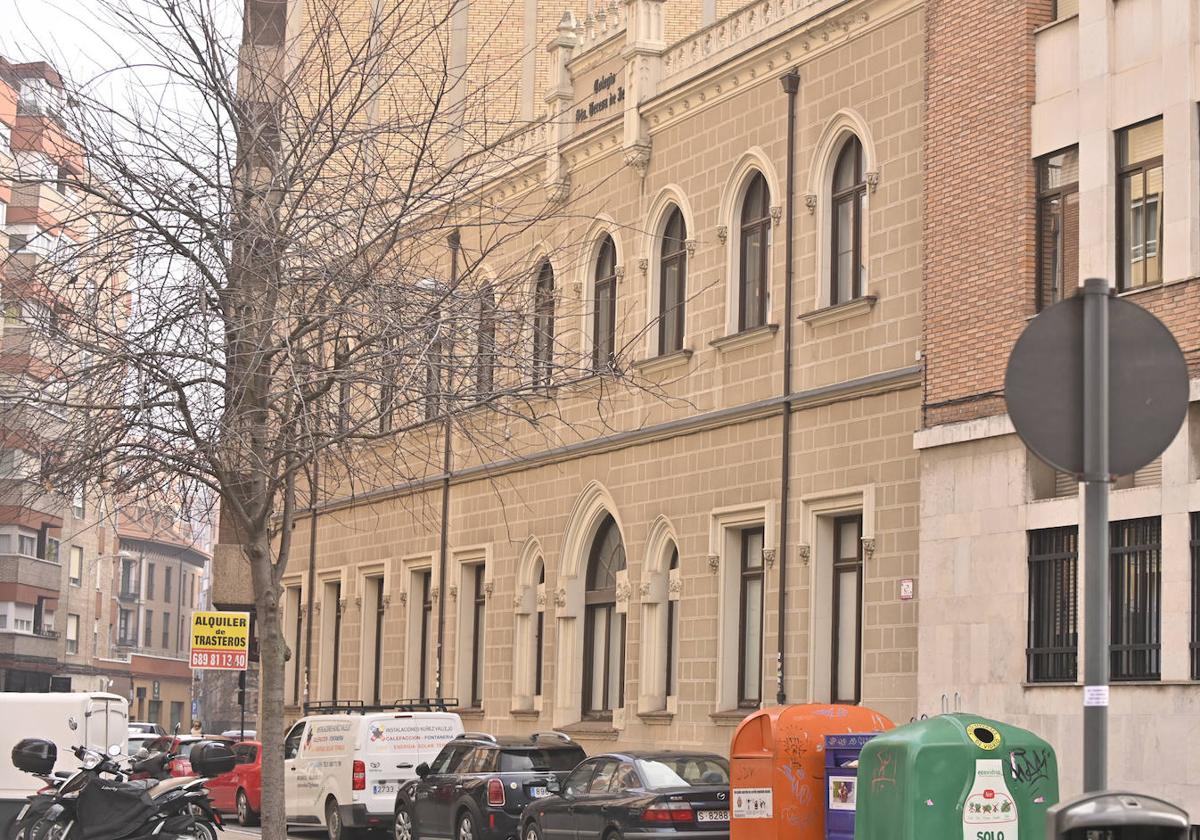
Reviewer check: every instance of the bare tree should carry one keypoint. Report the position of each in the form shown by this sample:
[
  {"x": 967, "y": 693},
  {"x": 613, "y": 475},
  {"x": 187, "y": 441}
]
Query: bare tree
[{"x": 285, "y": 254}]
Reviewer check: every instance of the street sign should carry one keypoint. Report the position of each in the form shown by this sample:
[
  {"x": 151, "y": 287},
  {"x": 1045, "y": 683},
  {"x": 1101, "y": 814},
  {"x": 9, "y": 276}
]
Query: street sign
[
  {"x": 1147, "y": 377},
  {"x": 1096, "y": 386},
  {"x": 220, "y": 640}
]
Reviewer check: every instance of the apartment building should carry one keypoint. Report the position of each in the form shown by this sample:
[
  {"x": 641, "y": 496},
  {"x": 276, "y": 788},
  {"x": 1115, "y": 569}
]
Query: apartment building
[
  {"x": 1093, "y": 170},
  {"x": 630, "y": 586}
]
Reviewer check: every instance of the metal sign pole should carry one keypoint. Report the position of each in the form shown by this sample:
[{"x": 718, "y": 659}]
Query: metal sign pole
[{"x": 1096, "y": 548}]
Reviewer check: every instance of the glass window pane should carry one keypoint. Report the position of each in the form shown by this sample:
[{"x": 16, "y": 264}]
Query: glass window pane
[
  {"x": 844, "y": 224},
  {"x": 847, "y": 634},
  {"x": 848, "y": 539},
  {"x": 1132, "y": 230},
  {"x": 1058, "y": 171},
  {"x": 752, "y": 280},
  {"x": 752, "y": 638},
  {"x": 598, "y": 655},
  {"x": 753, "y": 545},
  {"x": 616, "y": 629},
  {"x": 1141, "y": 142}
]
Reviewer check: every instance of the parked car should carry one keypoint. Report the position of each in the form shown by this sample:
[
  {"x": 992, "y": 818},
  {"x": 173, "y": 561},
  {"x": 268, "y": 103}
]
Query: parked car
[
  {"x": 137, "y": 740},
  {"x": 181, "y": 746},
  {"x": 146, "y": 727},
  {"x": 683, "y": 795},
  {"x": 240, "y": 790},
  {"x": 241, "y": 734},
  {"x": 478, "y": 785},
  {"x": 344, "y": 767}
]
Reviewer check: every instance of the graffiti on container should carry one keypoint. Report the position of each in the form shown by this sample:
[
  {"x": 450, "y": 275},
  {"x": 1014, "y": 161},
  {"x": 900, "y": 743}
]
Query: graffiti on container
[
  {"x": 798, "y": 782},
  {"x": 1029, "y": 766},
  {"x": 794, "y": 750},
  {"x": 885, "y": 771},
  {"x": 743, "y": 772}
]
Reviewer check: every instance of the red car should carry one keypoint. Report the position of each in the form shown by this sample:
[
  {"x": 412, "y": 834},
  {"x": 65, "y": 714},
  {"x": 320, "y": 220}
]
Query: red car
[
  {"x": 240, "y": 790},
  {"x": 181, "y": 746}
]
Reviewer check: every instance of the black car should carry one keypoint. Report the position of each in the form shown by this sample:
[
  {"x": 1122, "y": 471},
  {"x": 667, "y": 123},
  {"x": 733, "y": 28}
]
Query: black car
[
  {"x": 647, "y": 795},
  {"x": 478, "y": 786}
]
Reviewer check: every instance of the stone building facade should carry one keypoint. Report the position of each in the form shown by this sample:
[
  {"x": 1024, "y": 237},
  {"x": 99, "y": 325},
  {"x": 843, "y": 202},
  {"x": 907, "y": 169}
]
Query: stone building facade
[
  {"x": 1092, "y": 168},
  {"x": 618, "y": 574}
]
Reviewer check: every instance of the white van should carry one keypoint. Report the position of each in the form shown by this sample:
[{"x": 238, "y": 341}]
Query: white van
[
  {"x": 89, "y": 719},
  {"x": 342, "y": 770}
]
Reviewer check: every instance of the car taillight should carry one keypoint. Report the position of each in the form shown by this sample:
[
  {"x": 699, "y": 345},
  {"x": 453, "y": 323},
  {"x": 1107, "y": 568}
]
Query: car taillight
[
  {"x": 496, "y": 793},
  {"x": 358, "y": 776},
  {"x": 668, "y": 812}
]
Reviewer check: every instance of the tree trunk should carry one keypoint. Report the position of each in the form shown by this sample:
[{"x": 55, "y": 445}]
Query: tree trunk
[{"x": 272, "y": 650}]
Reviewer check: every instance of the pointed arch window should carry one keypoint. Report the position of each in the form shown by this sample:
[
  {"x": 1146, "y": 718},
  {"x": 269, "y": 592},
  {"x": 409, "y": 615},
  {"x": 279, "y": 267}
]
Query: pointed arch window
[
  {"x": 754, "y": 242},
  {"x": 604, "y": 626},
  {"x": 849, "y": 204},
  {"x": 672, "y": 628},
  {"x": 539, "y": 632},
  {"x": 543, "y": 325},
  {"x": 672, "y": 278},
  {"x": 604, "y": 317},
  {"x": 485, "y": 373}
]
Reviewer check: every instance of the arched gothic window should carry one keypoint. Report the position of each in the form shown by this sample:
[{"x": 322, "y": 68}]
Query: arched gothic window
[
  {"x": 672, "y": 278},
  {"x": 754, "y": 241},
  {"x": 604, "y": 317},
  {"x": 849, "y": 202},
  {"x": 604, "y": 626}
]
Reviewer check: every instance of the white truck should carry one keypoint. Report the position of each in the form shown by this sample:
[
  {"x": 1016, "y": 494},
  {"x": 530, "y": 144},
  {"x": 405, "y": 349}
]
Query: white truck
[
  {"x": 91, "y": 719},
  {"x": 342, "y": 769}
]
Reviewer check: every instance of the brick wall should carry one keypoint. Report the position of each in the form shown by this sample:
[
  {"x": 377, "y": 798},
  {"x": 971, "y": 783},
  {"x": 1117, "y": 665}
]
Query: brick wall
[{"x": 979, "y": 208}]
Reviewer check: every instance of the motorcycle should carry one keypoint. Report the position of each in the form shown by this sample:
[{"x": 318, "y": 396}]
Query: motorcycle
[{"x": 99, "y": 802}]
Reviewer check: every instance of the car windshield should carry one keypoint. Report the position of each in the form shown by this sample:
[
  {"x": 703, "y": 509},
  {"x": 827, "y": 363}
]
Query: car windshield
[
  {"x": 185, "y": 748},
  {"x": 684, "y": 771},
  {"x": 516, "y": 761}
]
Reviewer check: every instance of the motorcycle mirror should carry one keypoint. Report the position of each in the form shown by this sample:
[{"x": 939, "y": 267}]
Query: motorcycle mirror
[
  {"x": 141, "y": 754},
  {"x": 114, "y": 750},
  {"x": 176, "y": 729}
]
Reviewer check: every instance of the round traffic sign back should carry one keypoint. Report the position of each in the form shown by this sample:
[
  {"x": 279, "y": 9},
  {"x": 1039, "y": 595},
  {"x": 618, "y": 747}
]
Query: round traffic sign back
[{"x": 1148, "y": 386}]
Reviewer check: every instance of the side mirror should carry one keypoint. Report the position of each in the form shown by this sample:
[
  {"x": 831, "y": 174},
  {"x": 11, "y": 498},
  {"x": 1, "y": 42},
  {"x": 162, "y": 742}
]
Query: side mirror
[
  {"x": 114, "y": 750},
  {"x": 422, "y": 770},
  {"x": 176, "y": 730},
  {"x": 553, "y": 786},
  {"x": 141, "y": 754}
]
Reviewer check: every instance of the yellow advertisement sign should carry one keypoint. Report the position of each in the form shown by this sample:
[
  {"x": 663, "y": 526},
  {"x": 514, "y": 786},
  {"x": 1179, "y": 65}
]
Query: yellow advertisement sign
[{"x": 220, "y": 640}]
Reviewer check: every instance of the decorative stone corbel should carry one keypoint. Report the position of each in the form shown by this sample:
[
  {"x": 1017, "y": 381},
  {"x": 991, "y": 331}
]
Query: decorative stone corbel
[
  {"x": 810, "y": 201},
  {"x": 722, "y": 232},
  {"x": 453, "y": 592},
  {"x": 317, "y": 607},
  {"x": 386, "y": 601},
  {"x": 560, "y": 598},
  {"x": 559, "y": 191},
  {"x": 622, "y": 592},
  {"x": 868, "y": 547},
  {"x": 341, "y": 604},
  {"x": 518, "y": 602},
  {"x": 434, "y": 594},
  {"x": 689, "y": 245},
  {"x": 643, "y": 590},
  {"x": 776, "y": 214},
  {"x": 488, "y": 588},
  {"x": 403, "y": 598},
  {"x": 619, "y": 274},
  {"x": 541, "y": 599},
  {"x": 805, "y": 554},
  {"x": 675, "y": 586},
  {"x": 643, "y": 266},
  {"x": 873, "y": 180},
  {"x": 638, "y": 156},
  {"x": 714, "y": 563},
  {"x": 358, "y": 600},
  {"x": 303, "y": 612},
  {"x": 768, "y": 557}
]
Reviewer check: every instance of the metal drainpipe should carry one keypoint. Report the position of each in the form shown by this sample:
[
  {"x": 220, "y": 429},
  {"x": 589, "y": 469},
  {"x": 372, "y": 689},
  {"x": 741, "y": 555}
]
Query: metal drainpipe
[
  {"x": 791, "y": 86},
  {"x": 453, "y": 241},
  {"x": 312, "y": 582}
]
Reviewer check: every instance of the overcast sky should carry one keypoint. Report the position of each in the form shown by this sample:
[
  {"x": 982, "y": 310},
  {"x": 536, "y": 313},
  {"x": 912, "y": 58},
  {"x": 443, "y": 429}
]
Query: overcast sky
[{"x": 67, "y": 32}]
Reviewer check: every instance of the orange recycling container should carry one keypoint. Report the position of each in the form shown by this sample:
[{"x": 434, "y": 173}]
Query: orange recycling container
[{"x": 777, "y": 768}]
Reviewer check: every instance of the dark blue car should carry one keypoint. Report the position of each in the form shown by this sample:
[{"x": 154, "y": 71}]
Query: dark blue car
[
  {"x": 478, "y": 786},
  {"x": 648, "y": 795}
]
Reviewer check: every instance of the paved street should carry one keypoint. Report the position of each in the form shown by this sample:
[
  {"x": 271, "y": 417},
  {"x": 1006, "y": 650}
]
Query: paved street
[{"x": 236, "y": 832}]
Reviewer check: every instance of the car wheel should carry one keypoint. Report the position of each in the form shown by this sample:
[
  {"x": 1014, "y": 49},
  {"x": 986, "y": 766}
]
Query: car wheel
[
  {"x": 466, "y": 827},
  {"x": 246, "y": 815},
  {"x": 532, "y": 832},
  {"x": 403, "y": 827},
  {"x": 333, "y": 820}
]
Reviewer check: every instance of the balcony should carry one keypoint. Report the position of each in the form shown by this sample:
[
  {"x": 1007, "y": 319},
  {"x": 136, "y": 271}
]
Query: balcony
[
  {"x": 29, "y": 645},
  {"x": 30, "y": 571},
  {"x": 129, "y": 594}
]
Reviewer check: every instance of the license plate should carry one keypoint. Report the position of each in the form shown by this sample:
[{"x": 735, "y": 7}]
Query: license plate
[
  {"x": 712, "y": 816},
  {"x": 378, "y": 789},
  {"x": 539, "y": 792}
]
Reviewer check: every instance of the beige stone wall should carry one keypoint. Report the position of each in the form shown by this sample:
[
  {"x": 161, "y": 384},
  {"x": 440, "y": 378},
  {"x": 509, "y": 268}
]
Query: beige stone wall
[
  {"x": 667, "y": 456},
  {"x": 977, "y": 505}
]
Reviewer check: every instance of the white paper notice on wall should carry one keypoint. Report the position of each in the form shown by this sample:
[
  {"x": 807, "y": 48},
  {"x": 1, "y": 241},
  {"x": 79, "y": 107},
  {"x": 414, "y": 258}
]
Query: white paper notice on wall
[
  {"x": 906, "y": 589},
  {"x": 752, "y": 803},
  {"x": 1095, "y": 695}
]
